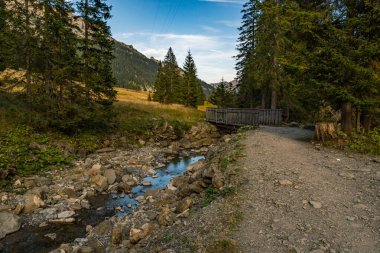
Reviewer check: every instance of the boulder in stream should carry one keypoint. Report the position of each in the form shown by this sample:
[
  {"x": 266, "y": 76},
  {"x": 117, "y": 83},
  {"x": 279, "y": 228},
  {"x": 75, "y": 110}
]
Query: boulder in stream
[{"x": 9, "y": 223}]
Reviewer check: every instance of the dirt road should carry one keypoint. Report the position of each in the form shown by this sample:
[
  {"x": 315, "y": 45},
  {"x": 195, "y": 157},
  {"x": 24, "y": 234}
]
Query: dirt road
[{"x": 301, "y": 199}]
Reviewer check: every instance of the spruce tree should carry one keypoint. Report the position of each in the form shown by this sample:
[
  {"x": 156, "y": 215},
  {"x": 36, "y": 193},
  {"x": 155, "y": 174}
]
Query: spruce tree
[
  {"x": 96, "y": 48},
  {"x": 57, "y": 97},
  {"x": 159, "y": 85},
  {"x": 3, "y": 35},
  {"x": 246, "y": 71},
  {"x": 168, "y": 85},
  {"x": 192, "y": 89},
  {"x": 223, "y": 96}
]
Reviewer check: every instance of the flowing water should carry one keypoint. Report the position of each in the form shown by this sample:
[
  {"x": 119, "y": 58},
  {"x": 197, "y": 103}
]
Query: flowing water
[{"x": 32, "y": 239}]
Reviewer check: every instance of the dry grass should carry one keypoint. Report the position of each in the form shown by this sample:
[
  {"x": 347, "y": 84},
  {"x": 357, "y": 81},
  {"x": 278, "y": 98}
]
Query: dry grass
[{"x": 138, "y": 100}]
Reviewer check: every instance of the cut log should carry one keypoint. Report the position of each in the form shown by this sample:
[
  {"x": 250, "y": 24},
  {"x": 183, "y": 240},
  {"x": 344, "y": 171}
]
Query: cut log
[{"x": 325, "y": 131}]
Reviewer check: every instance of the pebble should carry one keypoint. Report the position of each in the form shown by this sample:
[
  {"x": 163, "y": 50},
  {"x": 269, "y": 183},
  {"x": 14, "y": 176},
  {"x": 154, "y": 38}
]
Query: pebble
[
  {"x": 315, "y": 204},
  {"x": 51, "y": 236},
  {"x": 285, "y": 182},
  {"x": 146, "y": 183},
  {"x": 317, "y": 251}
]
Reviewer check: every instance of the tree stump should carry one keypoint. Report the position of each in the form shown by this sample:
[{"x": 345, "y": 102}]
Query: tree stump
[{"x": 325, "y": 131}]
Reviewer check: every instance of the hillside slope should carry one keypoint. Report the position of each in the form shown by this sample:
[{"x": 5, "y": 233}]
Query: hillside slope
[{"x": 134, "y": 70}]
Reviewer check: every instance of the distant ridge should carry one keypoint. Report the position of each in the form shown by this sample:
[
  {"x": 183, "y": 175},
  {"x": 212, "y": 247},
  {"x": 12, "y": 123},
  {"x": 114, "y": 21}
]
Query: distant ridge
[{"x": 134, "y": 70}]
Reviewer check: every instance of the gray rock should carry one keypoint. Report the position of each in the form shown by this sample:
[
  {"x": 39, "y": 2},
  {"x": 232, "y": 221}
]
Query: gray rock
[
  {"x": 110, "y": 175},
  {"x": 66, "y": 214},
  {"x": 51, "y": 236},
  {"x": 49, "y": 213},
  {"x": 85, "y": 249},
  {"x": 32, "y": 202},
  {"x": 104, "y": 228},
  {"x": 100, "y": 182},
  {"x": 9, "y": 223}
]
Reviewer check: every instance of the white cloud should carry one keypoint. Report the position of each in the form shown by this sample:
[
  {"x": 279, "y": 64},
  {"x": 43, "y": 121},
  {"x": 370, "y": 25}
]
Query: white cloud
[
  {"x": 212, "y": 54},
  {"x": 210, "y": 29},
  {"x": 229, "y": 23}
]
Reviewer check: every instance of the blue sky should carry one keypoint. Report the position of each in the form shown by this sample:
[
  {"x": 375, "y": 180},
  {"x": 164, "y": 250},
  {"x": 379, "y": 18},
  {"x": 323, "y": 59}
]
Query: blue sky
[{"x": 207, "y": 27}]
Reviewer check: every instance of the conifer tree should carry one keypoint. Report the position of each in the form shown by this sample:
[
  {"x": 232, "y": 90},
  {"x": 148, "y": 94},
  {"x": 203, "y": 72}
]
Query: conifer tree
[
  {"x": 192, "y": 90},
  {"x": 248, "y": 85},
  {"x": 168, "y": 81},
  {"x": 3, "y": 35},
  {"x": 223, "y": 96},
  {"x": 96, "y": 47}
]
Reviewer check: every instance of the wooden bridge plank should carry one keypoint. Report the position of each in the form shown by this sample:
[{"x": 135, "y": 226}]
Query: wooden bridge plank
[{"x": 241, "y": 117}]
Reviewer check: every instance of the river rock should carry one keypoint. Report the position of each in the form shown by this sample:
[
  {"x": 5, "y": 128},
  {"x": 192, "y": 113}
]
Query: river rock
[
  {"x": 137, "y": 235},
  {"x": 66, "y": 214},
  {"x": 218, "y": 179},
  {"x": 69, "y": 192},
  {"x": 62, "y": 221},
  {"x": 126, "y": 178},
  {"x": 85, "y": 249},
  {"x": 51, "y": 236},
  {"x": 85, "y": 204},
  {"x": 165, "y": 218},
  {"x": 146, "y": 183},
  {"x": 74, "y": 204},
  {"x": 32, "y": 202},
  {"x": 195, "y": 166},
  {"x": 110, "y": 175},
  {"x": 117, "y": 235},
  {"x": 184, "y": 205},
  {"x": 101, "y": 182},
  {"x": 58, "y": 251},
  {"x": 9, "y": 223},
  {"x": 49, "y": 213},
  {"x": 123, "y": 187},
  {"x": 95, "y": 170},
  {"x": 197, "y": 186},
  {"x": 102, "y": 229}
]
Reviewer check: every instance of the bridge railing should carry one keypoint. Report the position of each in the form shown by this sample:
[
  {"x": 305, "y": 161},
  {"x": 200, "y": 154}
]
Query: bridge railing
[{"x": 242, "y": 117}]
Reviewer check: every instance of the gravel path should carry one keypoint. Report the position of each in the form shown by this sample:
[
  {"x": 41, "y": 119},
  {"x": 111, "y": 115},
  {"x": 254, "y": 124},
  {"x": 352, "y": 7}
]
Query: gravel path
[{"x": 298, "y": 198}]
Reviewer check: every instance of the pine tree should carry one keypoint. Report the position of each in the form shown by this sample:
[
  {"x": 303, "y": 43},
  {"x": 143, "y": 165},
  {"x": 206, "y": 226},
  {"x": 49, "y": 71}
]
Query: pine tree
[
  {"x": 192, "y": 89},
  {"x": 96, "y": 47},
  {"x": 223, "y": 96},
  {"x": 168, "y": 82},
  {"x": 3, "y": 35},
  {"x": 248, "y": 85}
]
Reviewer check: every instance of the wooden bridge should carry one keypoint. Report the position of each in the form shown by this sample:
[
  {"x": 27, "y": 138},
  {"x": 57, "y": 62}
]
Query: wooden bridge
[{"x": 244, "y": 117}]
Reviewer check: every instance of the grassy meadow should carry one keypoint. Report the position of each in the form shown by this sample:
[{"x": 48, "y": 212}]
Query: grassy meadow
[{"x": 25, "y": 151}]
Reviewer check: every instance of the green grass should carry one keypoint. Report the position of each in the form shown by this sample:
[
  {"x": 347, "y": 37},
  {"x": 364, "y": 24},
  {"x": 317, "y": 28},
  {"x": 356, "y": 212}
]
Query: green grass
[
  {"x": 368, "y": 143},
  {"x": 136, "y": 118},
  {"x": 211, "y": 194},
  {"x": 222, "y": 246}
]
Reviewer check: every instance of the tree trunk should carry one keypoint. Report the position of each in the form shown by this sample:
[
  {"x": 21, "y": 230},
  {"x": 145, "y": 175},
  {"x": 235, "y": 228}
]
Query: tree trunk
[
  {"x": 358, "y": 116},
  {"x": 262, "y": 99},
  {"x": 27, "y": 47},
  {"x": 273, "y": 102},
  {"x": 286, "y": 114},
  {"x": 366, "y": 121},
  {"x": 347, "y": 118}
]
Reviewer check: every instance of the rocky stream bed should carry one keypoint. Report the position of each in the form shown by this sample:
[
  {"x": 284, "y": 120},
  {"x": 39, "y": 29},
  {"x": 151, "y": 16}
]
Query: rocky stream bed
[{"x": 112, "y": 200}]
